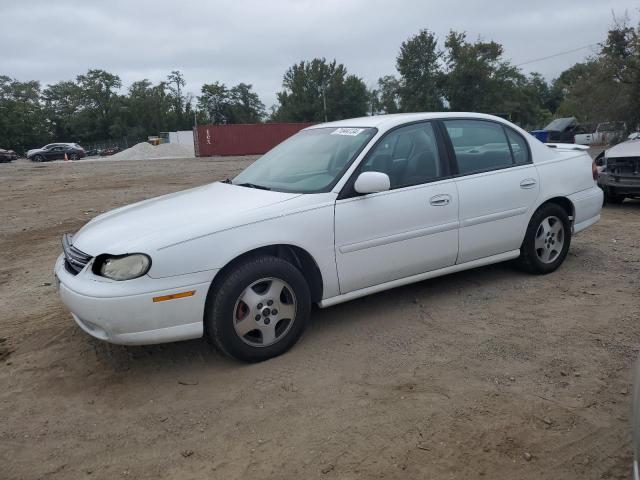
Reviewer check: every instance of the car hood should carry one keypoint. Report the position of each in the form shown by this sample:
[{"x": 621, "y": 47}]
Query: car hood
[
  {"x": 35, "y": 150},
  {"x": 630, "y": 148},
  {"x": 177, "y": 217}
]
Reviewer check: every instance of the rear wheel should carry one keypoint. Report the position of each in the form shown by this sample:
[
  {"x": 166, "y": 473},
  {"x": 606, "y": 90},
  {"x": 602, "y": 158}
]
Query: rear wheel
[
  {"x": 258, "y": 309},
  {"x": 547, "y": 240}
]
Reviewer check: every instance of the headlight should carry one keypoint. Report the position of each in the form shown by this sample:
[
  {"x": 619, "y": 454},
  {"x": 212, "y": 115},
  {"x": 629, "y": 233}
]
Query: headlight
[{"x": 125, "y": 267}]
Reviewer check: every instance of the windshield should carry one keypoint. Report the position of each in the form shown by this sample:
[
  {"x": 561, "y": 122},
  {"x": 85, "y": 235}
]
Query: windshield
[{"x": 311, "y": 161}]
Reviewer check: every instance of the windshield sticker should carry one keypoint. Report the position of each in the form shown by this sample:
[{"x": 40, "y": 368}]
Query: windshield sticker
[{"x": 351, "y": 132}]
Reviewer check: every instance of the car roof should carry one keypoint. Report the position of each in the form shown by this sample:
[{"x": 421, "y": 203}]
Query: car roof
[{"x": 385, "y": 122}]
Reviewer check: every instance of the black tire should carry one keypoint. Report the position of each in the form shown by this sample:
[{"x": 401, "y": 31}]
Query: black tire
[
  {"x": 73, "y": 156},
  {"x": 613, "y": 198},
  {"x": 529, "y": 258},
  {"x": 38, "y": 158},
  {"x": 225, "y": 293}
]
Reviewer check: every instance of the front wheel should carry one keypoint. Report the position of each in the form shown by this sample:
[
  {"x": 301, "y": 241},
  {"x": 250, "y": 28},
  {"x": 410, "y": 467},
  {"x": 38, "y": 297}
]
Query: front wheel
[
  {"x": 38, "y": 158},
  {"x": 547, "y": 240},
  {"x": 258, "y": 309}
]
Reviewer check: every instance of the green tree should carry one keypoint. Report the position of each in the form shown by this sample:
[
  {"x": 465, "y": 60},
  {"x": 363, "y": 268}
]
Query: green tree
[
  {"x": 479, "y": 79},
  {"x": 246, "y": 106},
  {"x": 62, "y": 102},
  {"x": 215, "y": 103},
  {"x": 22, "y": 122},
  {"x": 476, "y": 74},
  {"x": 238, "y": 104},
  {"x": 547, "y": 95},
  {"x": 99, "y": 91},
  {"x": 317, "y": 90},
  {"x": 607, "y": 86},
  {"x": 420, "y": 66},
  {"x": 146, "y": 108},
  {"x": 387, "y": 95},
  {"x": 175, "y": 91}
]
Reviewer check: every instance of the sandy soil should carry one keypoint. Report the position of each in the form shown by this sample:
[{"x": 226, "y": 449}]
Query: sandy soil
[{"x": 490, "y": 373}]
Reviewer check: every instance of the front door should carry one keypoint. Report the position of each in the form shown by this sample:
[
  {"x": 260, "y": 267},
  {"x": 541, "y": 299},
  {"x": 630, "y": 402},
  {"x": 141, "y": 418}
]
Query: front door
[
  {"x": 408, "y": 230},
  {"x": 55, "y": 153}
]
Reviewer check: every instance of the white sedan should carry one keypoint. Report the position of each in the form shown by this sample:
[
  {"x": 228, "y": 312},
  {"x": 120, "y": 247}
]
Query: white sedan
[{"x": 336, "y": 212}]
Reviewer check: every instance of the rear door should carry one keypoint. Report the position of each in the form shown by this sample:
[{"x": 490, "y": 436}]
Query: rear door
[
  {"x": 497, "y": 186},
  {"x": 411, "y": 228}
]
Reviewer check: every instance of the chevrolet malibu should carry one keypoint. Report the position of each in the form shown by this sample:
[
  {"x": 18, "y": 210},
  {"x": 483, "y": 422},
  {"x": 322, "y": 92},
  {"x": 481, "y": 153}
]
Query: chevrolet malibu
[{"x": 336, "y": 212}]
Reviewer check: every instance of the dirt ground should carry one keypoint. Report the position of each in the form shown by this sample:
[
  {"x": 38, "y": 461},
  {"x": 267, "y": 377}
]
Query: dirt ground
[{"x": 490, "y": 373}]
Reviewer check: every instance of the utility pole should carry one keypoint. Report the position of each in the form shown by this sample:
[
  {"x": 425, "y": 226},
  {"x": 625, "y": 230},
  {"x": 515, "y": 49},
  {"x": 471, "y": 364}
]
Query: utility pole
[{"x": 324, "y": 100}]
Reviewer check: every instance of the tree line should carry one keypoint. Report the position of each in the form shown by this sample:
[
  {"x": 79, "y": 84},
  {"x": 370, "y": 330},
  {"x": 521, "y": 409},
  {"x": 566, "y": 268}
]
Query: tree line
[{"x": 457, "y": 75}]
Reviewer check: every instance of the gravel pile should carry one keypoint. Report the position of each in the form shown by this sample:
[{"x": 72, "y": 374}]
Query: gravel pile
[{"x": 146, "y": 151}]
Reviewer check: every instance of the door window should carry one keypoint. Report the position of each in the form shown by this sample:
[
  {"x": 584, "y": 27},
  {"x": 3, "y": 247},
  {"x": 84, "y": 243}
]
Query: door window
[
  {"x": 519, "y": 147},
  {"x": 480, "y": 146},
  {"x": 409, "y": 155}
]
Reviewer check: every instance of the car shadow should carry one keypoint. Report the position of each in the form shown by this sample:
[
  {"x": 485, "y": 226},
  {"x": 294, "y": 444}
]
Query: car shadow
[
  {"x": 629, "y": 203},
  {"x": 190, "y": 354}
]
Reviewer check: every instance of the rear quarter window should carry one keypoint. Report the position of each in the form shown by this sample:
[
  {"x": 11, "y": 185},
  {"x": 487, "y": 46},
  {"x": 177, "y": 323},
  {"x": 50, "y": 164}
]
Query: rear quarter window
[{"x": 519, "y": 147}]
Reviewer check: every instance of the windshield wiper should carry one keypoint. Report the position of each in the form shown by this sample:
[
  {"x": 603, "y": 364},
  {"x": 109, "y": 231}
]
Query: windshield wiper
[{"x": 252, "y": 185}]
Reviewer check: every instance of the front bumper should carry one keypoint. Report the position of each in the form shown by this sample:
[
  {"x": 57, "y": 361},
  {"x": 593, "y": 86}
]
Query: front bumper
[
  {"x": 619, "y": 184},
  {"x": 125, "y": 313}
]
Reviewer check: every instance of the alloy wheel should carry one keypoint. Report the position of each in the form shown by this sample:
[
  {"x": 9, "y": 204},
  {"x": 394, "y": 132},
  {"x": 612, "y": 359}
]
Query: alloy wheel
[
  {"x": 549, "y": 239},
  {"x": 264, "y": 312}
]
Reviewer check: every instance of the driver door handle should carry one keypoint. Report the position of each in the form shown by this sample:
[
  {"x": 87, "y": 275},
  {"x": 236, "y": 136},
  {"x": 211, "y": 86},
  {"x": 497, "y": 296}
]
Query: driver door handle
[{"x": 440, "y": 200}]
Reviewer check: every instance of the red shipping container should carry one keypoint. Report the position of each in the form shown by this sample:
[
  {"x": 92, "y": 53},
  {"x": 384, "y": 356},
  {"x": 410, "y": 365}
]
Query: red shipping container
[{"x": 242, "y": 139}]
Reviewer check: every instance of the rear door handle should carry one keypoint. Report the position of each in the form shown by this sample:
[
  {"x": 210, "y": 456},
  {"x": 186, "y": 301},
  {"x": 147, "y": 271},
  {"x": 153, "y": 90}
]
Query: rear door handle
[
  {"x": 440, "y": 200},
  {"x": 528, "y": 183}
]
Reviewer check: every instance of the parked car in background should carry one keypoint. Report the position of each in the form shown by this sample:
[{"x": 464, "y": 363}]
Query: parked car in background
[
  {"x": 48, "y": 146},
  {"x": 606, "y": 133},
  {"x": 107, "y": 152},
  {"x": 7, "y": 156},
  {"x": 619, "y": 175},
  {"x": 338, "y": 211},
  {"x": 560, "y": 130},
  {"x": 56, "y": 151}
]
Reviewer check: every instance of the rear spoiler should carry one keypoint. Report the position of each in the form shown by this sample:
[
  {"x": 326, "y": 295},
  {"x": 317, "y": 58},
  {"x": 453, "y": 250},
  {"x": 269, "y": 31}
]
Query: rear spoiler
[{"x": 567, "y": 146}]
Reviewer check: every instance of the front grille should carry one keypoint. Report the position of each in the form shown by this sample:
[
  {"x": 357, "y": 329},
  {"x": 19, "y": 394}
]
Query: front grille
[
  {"x": 74, "y": 259},
  {"x": 624, "y": 167}
]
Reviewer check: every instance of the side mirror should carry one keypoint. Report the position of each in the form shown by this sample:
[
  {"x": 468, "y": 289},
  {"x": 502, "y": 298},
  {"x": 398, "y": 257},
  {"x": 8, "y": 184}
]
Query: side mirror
[{"x": 372, "y": 182}]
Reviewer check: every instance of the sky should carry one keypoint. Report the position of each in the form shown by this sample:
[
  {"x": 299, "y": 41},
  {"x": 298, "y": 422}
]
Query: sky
[{"x": 255, "y": 41}]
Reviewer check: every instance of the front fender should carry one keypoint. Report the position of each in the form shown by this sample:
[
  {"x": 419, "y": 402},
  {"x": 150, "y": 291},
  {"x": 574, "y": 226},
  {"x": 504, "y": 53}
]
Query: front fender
[{"x": 310, "y": 228}]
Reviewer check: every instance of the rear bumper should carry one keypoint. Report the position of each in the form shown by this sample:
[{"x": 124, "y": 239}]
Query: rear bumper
[{"x": 587, "y": 205}]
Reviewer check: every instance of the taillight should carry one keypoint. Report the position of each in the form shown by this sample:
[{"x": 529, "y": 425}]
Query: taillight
[{"x": 594, "y": 171}]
